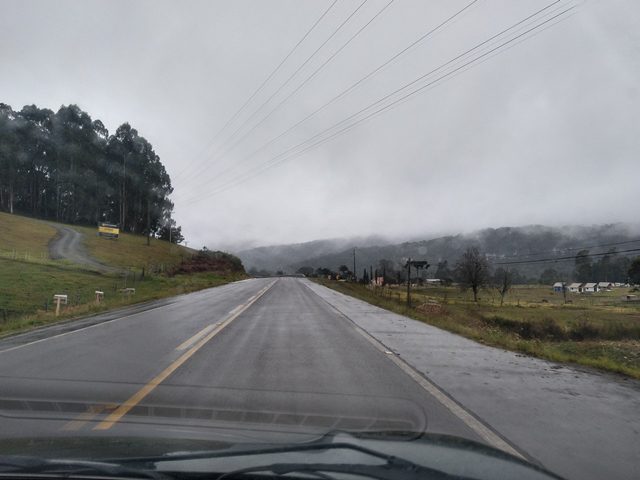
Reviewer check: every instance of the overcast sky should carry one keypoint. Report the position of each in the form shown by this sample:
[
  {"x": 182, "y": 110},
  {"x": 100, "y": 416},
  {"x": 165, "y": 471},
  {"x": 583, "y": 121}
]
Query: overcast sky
[{"x": 544, "y": 131}]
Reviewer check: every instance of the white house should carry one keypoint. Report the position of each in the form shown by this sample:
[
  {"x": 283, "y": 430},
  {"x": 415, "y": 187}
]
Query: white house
[
  {"x": 575, "y": 288},
  {"x": 591, "y": 287},
  {"x": 558, "y": 286},
  {"x": 605, "y": 285}
]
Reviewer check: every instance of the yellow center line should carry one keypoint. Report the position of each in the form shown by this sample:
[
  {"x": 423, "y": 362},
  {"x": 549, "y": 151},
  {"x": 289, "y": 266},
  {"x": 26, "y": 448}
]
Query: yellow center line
[
  {"x": 137, "y": 397},
  {"x": 196, "y": 337},
  {"x": 85, "y": 417}
]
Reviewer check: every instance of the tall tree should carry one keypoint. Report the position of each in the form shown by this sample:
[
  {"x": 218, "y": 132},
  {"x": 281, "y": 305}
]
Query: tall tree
[{"x": 66, "y": 166}]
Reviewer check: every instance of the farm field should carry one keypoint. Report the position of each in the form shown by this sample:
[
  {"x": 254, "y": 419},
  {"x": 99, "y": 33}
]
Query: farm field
[{"x": 599, "y": 330}]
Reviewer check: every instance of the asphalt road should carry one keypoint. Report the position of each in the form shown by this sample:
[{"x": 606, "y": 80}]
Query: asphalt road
[{"x": 259, "y": 355}]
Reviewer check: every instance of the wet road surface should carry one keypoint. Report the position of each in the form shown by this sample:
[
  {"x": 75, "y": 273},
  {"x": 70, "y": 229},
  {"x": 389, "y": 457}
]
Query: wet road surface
[
  {"x": 258, "y": 354},
  {"x": 267, "y": 355}
]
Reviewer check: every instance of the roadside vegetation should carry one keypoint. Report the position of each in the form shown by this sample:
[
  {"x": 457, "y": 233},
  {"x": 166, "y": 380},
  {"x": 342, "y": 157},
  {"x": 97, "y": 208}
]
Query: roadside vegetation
[
  {"x": 599, "y": 330},
  {"x": 29, "y": 278},
  {"x": 132, "y": 252},
  {"x": 22, "y": 237}
]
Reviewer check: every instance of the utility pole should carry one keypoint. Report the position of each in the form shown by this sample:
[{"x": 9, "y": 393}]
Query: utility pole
[
  {"x": 418, "y": 264},
  {"x": 409, "y": 282},
  {"x": 355, "y": 275}
]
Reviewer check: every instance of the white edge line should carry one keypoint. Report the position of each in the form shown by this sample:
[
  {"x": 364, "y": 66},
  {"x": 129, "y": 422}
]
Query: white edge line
[
  {"x": 454, "y": 407},
  {"x": 16, "y": 347}
]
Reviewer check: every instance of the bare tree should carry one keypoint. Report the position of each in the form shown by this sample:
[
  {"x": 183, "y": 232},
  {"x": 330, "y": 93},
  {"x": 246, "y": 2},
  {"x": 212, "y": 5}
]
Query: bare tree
[
  {"x": 504, "y": 285},
  {"x": 472, "y": 271}
]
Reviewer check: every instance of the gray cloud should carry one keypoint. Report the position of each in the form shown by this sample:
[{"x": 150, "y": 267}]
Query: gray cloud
[{"x": 546, "y": 132}]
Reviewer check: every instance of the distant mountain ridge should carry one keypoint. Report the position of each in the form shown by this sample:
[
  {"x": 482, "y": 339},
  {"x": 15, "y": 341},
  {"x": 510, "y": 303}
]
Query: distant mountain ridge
[
  {"x": 283, "y": 257},
  {"x": 499, "y": 244}
]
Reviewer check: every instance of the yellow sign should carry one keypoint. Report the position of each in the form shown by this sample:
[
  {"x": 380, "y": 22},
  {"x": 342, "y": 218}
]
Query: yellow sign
[{"x": 106, "y": 230}]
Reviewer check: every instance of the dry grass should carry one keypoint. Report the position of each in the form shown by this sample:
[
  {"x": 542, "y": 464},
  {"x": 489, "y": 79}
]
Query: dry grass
[{"x": 602, "y": 331}]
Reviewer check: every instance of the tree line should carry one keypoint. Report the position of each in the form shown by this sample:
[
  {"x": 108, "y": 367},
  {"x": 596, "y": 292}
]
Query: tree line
[
  {"x": 473, "y": 271},
  {"x": 64, "y": 166}
]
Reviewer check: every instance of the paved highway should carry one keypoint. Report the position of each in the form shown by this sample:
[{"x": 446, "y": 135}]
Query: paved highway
[{"x": 264, "y": 354}]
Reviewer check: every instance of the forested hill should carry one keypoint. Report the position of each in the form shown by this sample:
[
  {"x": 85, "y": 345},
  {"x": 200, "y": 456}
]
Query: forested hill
[
  {"x": 508, "y": 244},
  {"x": 64, "y": 166}
]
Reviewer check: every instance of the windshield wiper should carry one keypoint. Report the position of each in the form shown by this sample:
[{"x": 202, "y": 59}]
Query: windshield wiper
[
  {"x": 70, "y": 468},
  {"x": 395, "y": 469},
  {"x": 238, "y": 452}
]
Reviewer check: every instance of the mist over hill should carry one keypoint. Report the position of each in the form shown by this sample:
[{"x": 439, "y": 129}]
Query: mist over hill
[
  {"x": 505, "y": 244},
  {"x": 284, "y": 257}
]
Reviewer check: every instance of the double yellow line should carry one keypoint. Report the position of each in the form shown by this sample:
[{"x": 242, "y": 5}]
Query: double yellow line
[{"x": 198, "y": 341}]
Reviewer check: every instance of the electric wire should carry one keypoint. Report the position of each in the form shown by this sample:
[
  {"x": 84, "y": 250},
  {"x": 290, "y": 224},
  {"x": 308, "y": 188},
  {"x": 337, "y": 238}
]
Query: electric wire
[
  {"x": 265, "y": 81},
  {"x": 556, "y": 259},
  {"x": 290, "y": 153},
  {"x": 366, "y": 77},
  {"x": 569, "y": 249},
  {"x": 308, "y": 79},
  {"x": 286, "y": 82}
]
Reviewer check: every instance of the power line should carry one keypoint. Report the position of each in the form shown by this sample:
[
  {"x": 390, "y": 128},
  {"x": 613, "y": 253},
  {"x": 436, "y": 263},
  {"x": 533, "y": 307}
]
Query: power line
[
  {"x": 283, "y": 156},
  {"x": 309, "y": 78},
  {"x": 366, "y": 77},
  {"x": 242, "y": 125},
  {"x": 406, "y": 86},
  {"x": 556, "y": 259},
  {"x": 270, "y": 76},
  {"x": 572, "y": 249}
]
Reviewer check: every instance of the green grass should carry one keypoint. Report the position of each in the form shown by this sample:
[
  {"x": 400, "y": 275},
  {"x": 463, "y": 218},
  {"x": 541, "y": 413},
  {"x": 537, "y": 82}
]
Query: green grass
[
  {"x": 27, "y": 287},
  {"x": 132, "y": 250},
  {"x": 602, "y": 331},
  {"x": 24, "y": 237},
  {"x": 29, "y": 278}
]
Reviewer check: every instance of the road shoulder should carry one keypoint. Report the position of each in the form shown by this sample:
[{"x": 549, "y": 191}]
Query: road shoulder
[{"x": 578, "y": 423}]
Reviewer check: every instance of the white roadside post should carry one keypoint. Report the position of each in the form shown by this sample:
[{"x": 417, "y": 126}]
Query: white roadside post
[
  {"x": 99, "y": 296},
  {"x": 59, "y": 299},
  {"x": 127, "y": 292}
]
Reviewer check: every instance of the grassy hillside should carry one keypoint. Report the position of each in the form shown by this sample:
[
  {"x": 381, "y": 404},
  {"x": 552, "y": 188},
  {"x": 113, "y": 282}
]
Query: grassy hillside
[
  {"x": 22, "y": 236},
  {"x": 29, "y": 277},
  {"x": 132, "y": 250}
]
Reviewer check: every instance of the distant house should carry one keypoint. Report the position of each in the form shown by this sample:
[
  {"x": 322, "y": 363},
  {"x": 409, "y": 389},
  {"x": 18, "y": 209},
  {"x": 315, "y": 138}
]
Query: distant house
[
  {"x": 575, "y": 288},
  {"x": 605, "y": 285},
  {"x": 591, "y": 287},
  {"x": 433, "y": 281},
  {"x": 558, "y": 286}
]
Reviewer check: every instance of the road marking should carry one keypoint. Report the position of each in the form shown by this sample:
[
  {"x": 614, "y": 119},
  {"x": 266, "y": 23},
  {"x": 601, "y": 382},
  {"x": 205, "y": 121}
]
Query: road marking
[
  {"x": 454, "y": 407},
  {"x": 82, "y": 329},
  {"x": 85, "y": 417},
  {"x": 16, "y": 347},
  {"x": 187, "y": 343},
  {"x": 137, "y": 397}
]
